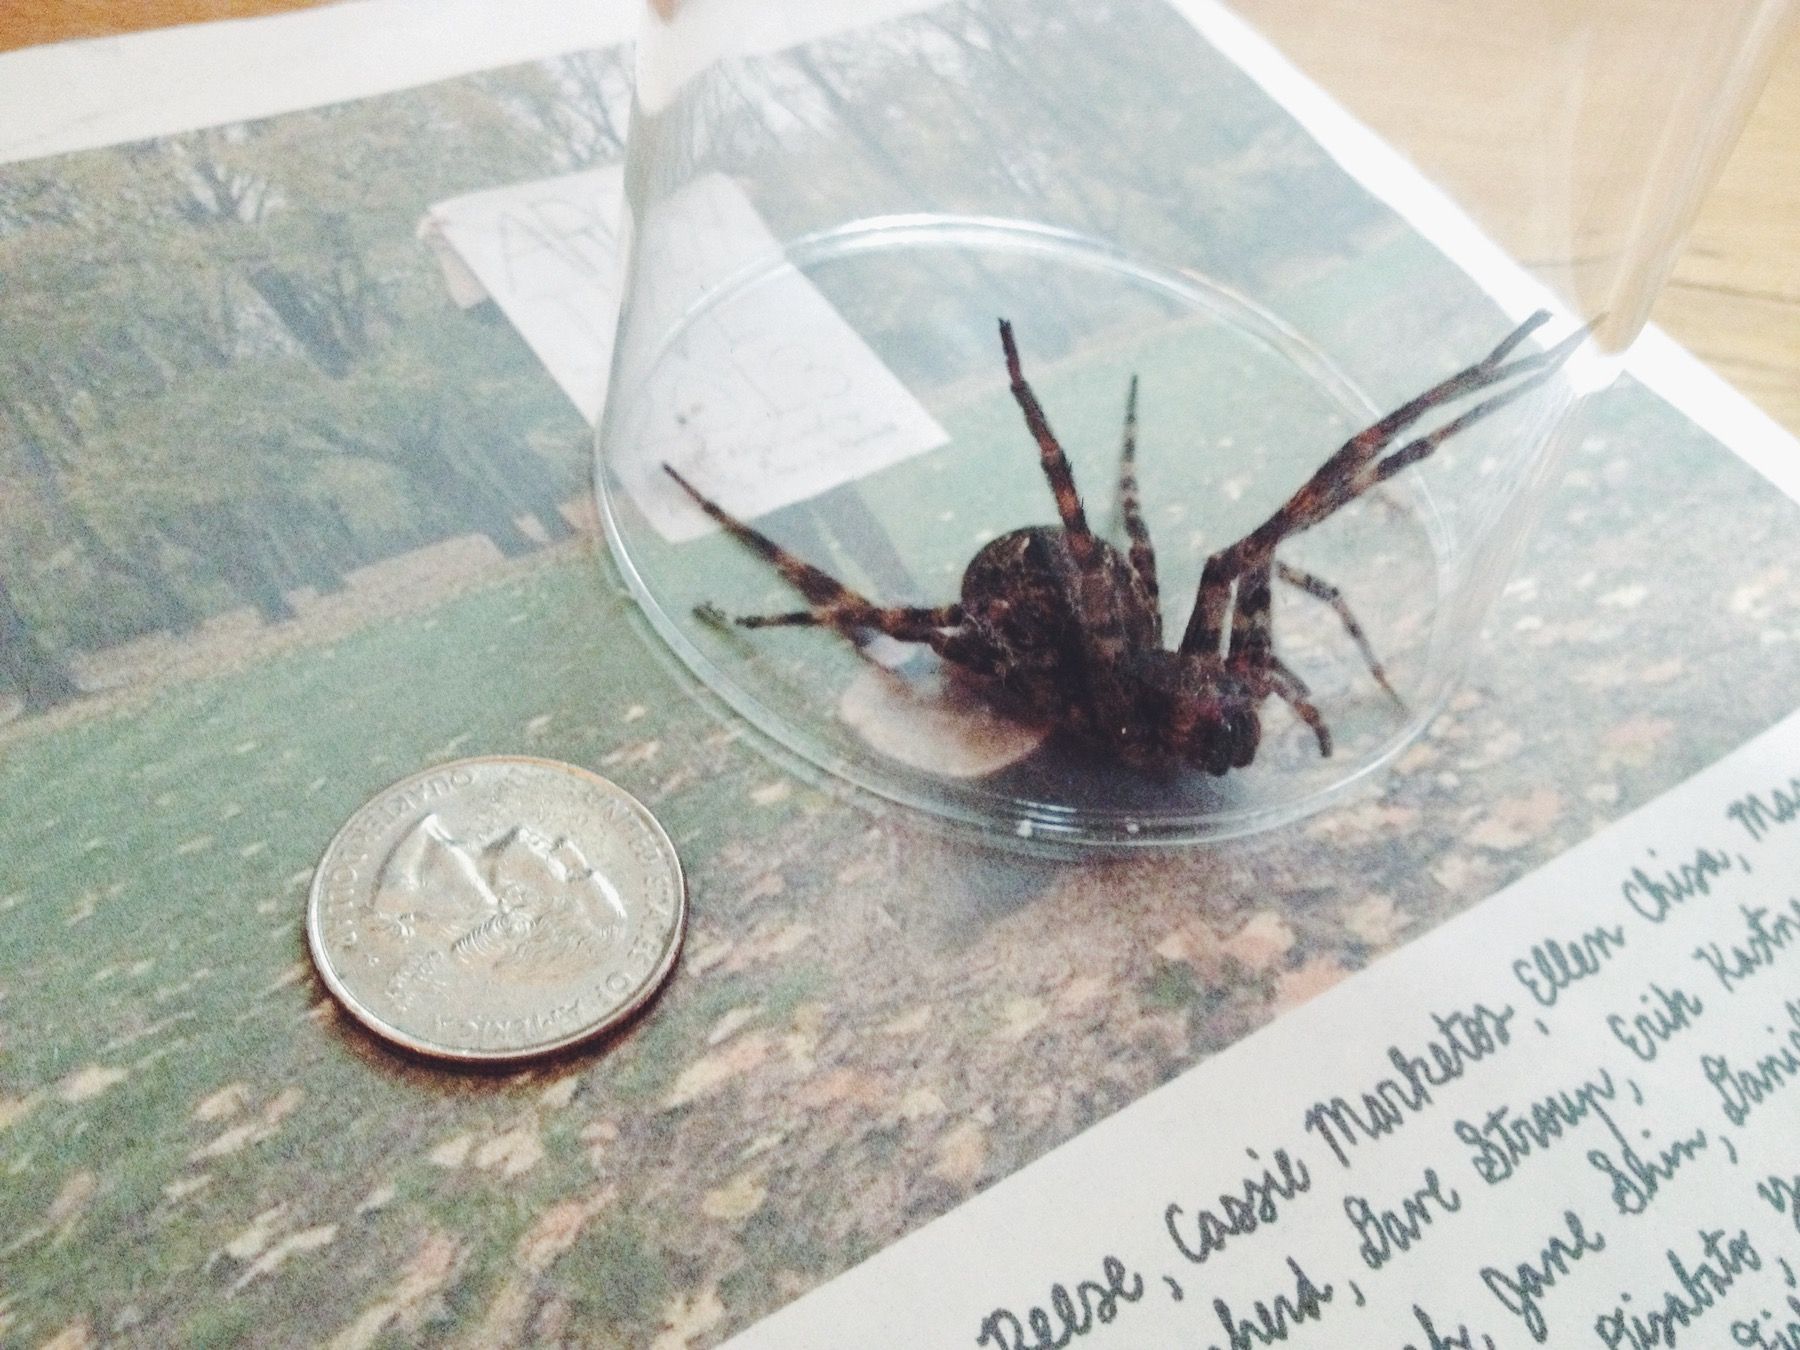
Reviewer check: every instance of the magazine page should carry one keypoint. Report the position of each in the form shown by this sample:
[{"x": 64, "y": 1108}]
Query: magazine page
[{"x": 289, "y": 515}]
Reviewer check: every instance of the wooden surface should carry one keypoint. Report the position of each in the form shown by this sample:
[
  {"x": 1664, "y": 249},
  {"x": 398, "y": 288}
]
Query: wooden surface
[
  {"x": 28, "y": 22},
  {"x": 1734, "y": 296}
]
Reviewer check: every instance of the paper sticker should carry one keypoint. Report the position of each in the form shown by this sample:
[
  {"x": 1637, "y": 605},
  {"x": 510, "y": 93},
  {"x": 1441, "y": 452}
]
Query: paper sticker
[{"x": 767, "y": 399}]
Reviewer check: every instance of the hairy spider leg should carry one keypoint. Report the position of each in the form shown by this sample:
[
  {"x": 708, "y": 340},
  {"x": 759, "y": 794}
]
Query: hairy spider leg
[
  {"x": 1253, "y": 644},
  {"x": 834, "y": 605},
  {"x": 1356, "y": 467},
  {"x": 1320, "y": 589},
  {"x": 1143, "y": 552},
  {"x": 1079, "y": 537},
  {"x": 1538, "y": 369},
  {"x": 1292, "y": 690},
  {"x": 1099, "y": 598},
  {"x": 908, "y": 623}
]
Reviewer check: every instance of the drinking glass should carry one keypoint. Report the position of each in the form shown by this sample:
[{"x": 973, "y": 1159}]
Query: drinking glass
[{"x": 1277, "y": 221}]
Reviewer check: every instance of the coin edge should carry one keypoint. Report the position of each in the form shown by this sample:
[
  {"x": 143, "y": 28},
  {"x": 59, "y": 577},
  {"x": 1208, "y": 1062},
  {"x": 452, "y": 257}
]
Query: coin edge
[{"x": 611, "y": 1021}]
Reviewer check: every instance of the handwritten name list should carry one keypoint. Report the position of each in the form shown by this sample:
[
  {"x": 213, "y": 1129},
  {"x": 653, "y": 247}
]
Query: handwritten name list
[{"x": 1570, "y": 1117}]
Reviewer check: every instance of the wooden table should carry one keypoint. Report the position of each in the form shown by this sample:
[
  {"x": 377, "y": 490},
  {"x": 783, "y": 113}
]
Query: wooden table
[
  {"x": 1735, "y": 295},
  {"x": 1734, "y": 298}
]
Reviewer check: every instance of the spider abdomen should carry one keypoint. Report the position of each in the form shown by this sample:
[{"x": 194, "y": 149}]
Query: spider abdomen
[
  {"x": 1052, "y": 636},
  {"x": 1028, "y": 587}
]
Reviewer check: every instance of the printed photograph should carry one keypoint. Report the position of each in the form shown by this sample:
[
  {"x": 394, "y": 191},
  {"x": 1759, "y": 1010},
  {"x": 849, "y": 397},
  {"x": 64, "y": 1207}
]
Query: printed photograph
[{"x": 292, "y": 507}]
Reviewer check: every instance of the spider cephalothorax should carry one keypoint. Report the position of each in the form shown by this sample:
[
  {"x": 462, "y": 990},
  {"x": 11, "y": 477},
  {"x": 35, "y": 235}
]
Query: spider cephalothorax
[{"x": 1058, "y": 621}]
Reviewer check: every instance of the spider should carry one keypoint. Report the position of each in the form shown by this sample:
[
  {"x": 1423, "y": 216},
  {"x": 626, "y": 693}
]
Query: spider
[{"x": 1060, "y": 623}]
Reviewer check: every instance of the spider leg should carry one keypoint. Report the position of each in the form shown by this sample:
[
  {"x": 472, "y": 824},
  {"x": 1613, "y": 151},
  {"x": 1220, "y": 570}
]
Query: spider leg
[
  {"x": 1105, "y": 694},
  {"x": 1358, "y": 465},
  {"x": 1490, "y": 370},
  {"x": 817, "y": 586},
  {"x": 1292, "y": 690},
  {"x": 1252, "y": 643},
  {"x": 834, "y": 605},
  {"x": 907, "y": 623},
  {"x": 1321, "y": 589},
  {"x": 1340, "y": 493},
  {"x": 1079, "y": 537},
  {"x": 1143, "y": 552}
]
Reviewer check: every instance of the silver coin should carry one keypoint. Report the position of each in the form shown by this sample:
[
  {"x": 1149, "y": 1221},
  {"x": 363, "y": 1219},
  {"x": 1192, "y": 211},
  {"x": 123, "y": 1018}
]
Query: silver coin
[{"x": 496, "y": 909}]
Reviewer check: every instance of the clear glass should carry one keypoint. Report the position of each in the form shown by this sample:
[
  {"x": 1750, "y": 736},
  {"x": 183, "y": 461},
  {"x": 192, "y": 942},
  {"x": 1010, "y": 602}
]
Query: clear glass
[{"x": 1284, "y": 219}]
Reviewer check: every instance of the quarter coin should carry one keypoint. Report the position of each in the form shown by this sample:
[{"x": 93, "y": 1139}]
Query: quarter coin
[{"x": 495, "y": 909}]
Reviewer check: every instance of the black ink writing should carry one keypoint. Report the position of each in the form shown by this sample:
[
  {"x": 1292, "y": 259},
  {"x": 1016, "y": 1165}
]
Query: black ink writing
[
  {"x": 1783, "y": 1196},
  {"x": 1782, "y": 1334},
  {"x": 1272, "y": 1322},
  {"x": 1553, "y": 966},
  {"x": 1387, "y": 1231},
  {"x": 1094, "y": 1303},
  {"x": 1764, "y": 941},
  {"x": 1464, "y": 1038},
  {"x": 1741, "y": 1091},
  {"x": 1759, "y": 812},
  {"x": 1636, "y": 1177},
  {"x": 1460, "y": 1339},
  {"x": 1239, "y": 1212},
  {"x": 1667, "y": 1013},
  {"x": 1700, "y": 1285},
  {"x": 1654, "y": 897},
  {"x": 1506, "y": 1137},
  {"x": 1520, "y": 1289}
]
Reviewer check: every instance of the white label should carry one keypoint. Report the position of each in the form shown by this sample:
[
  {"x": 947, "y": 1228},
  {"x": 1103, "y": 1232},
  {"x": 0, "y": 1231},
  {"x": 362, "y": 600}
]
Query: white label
[
  {"x": 765, "y": 400},
  {"x": 1569, "y": 1117}
]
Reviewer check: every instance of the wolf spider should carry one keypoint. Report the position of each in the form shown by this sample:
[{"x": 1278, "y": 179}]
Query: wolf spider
[{"x": 1060, "y": 622}]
